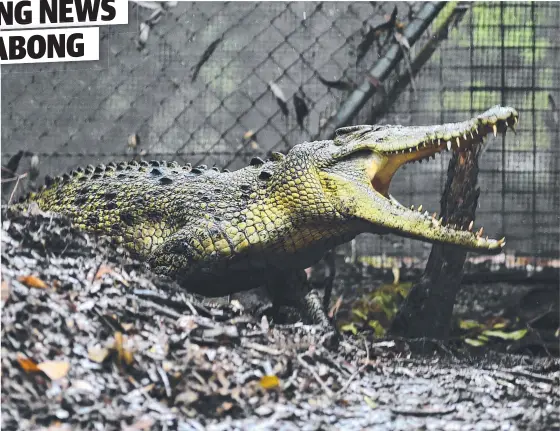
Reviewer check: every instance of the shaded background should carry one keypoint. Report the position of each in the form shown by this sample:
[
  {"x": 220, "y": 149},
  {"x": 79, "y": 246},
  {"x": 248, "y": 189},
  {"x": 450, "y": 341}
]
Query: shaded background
[{"x": 140, "y": 100}]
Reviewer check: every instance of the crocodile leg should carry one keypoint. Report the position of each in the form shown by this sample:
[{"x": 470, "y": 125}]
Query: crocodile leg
[
  {"x": 313, "y": 307},
  {"x": 331, "y": 267},
  {"x": 293, "y": 289}
]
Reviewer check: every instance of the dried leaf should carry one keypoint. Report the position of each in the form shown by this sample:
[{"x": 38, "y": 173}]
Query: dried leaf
[
  {"x": 280, "y": 97},
  {"x": 187, "y": 397},
  {"x": 515, "y": 335},
  {"x": 402, "y": 40},
  {"x": 5, "y": 293},
  {"x": 337, "y": 84},
  {"x": 133, "y": 140},
  {"x": 148, "y": 4},
  {"x": 187, "y": 323},
  {"x": 103, "y": 270},
  {"x": 98, "y": 354},
  {"x": 248, "y": 134},
  {"x": 27, "y": 364},
  {"x": 128, "y": 357},
  {"x": 396, "y": 274},
  {"x": 118, "y": 346},
  {"x": 143, "y": 34},
  {"x": 277, "y": 91},
  {"x": 226, "y": 406},
  {"x": 127, "y": 326},
  {"x": 301, "y": 108},
  {"x": 269, "y": 382},
  {"x": 54, "y": 369},
  {"x": 265, "y": 326},
  {"x": 123, "y": 355},
  {"x": 32, "y": 281},
  {"x": 205, "y": 56}
]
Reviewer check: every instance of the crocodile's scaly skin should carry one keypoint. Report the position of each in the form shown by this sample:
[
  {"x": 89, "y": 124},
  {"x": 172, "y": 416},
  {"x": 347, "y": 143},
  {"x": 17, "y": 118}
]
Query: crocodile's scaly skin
[{"x": 223, "y": 232}]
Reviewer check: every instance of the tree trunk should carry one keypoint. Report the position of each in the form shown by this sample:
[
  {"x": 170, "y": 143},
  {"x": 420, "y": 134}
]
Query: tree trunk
[{"x": 427, "y": 310}]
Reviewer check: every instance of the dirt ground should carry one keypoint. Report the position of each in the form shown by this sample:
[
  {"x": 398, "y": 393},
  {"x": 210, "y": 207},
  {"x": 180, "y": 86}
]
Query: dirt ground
[{"x": 91, "y": 340}]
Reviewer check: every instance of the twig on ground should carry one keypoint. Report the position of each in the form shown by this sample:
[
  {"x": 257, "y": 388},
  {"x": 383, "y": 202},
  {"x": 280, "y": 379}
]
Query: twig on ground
[
  {"x": 261, "y": 348},
  {"x": 19, "y": 177},
  {"x": 327, "y": 390},
  {"x": 423, "y": 413},
  {"x": 358, "y": 371},
  {"x": 165, "y": 381},
  {"x": 532, "y": 376},
  {"x": 189, "y": 304},
  {"x": 157, "y": 307}
]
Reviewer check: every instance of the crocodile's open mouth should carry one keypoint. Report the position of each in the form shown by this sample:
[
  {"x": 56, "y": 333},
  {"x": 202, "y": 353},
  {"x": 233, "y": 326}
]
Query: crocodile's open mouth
[{"x": 457, "y": 137}]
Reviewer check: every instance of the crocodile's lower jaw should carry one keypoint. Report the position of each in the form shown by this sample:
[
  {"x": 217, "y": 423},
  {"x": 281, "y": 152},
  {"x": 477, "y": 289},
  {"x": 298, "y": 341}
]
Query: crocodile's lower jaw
[{"x": 382, "y": 168}]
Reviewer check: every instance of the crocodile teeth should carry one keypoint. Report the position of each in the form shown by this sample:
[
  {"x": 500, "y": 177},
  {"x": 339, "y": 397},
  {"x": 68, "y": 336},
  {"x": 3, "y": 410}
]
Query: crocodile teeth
[
  {"x": 465, "y": 136},
  {"x": 420, "y": 209},
  {"x": 495, "y": 130},
  {"x": 458, "y": 142},
  {"x": 448, "y": 145},
  {"x": 471, "y": 225},
  {"x": 479, "y": 233}
]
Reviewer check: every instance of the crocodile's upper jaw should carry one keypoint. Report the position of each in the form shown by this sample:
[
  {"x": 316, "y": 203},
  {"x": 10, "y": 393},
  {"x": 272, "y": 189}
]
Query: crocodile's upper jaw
[{"x": 393, "y": 146}]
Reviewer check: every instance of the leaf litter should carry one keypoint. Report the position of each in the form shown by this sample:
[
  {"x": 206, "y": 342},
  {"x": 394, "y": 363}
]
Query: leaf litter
[{"x": 114, "y": 347}]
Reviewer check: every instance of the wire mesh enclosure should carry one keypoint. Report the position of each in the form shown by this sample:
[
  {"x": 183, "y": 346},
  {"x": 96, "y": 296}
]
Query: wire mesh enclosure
[{"x": 219, "y": 83}]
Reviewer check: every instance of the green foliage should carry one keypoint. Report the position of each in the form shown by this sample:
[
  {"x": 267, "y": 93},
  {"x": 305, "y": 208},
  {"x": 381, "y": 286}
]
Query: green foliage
[
  {"x": 349, "y": 327},
  {"x": 478, "y": 334},
  {"x": 375, "y": 311},
  {"x": 515, "y": 335}
]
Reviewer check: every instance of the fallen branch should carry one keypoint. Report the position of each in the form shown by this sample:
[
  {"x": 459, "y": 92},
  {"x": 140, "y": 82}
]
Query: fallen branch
[
  {"x": 406, "y": 78},
  {"x": 380, "y": 71},
  {"x": 19, "y": 177}
]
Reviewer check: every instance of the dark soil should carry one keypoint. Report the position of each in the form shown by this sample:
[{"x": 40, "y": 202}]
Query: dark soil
[{"x": 135, "y": 352}]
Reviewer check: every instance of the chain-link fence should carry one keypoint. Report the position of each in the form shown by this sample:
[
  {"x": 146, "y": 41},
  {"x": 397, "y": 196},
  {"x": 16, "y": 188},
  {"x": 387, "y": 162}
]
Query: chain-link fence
[{"x": 218, "y": 83}]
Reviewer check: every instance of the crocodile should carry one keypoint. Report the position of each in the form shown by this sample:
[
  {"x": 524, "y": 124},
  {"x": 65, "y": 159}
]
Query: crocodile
[{"x": 220, "y": 232}]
